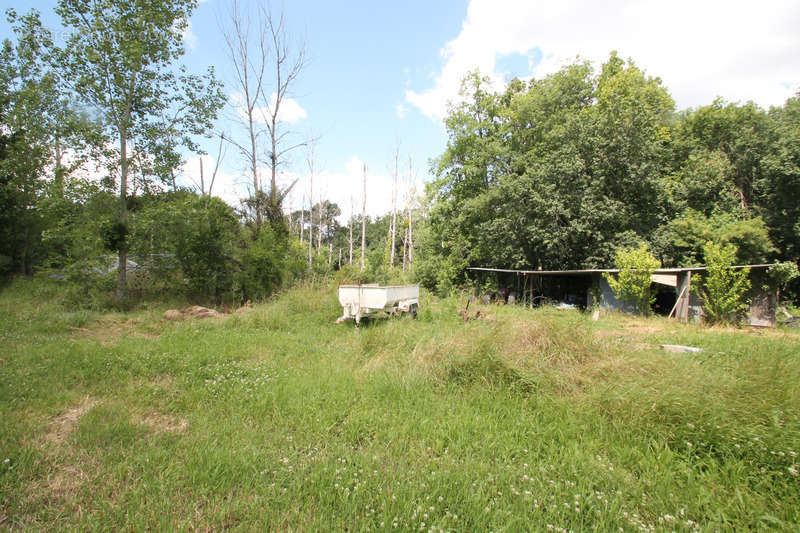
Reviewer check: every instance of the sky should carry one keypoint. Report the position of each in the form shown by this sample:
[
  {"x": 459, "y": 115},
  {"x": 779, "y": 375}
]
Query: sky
[{"x": 381, "y": 73}]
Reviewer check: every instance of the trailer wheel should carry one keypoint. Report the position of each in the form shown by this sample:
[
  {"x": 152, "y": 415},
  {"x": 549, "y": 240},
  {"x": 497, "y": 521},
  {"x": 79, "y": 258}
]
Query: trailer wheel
[{"x": 413, "y": 310}]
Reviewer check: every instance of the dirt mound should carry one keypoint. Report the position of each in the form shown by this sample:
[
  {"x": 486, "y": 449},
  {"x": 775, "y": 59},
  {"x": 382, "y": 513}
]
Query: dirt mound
[{"x": 193, "y": 311}]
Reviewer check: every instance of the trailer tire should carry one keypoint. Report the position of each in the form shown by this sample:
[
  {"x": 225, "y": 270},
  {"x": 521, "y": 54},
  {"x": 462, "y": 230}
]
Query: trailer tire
[{"x": 413, "y": 310}]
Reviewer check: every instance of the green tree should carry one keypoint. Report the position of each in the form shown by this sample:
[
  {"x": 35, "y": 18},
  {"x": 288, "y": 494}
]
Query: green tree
[
  {"x": 741, "y": 135},
  {"x": 781, "y": 183},
  {"x": 690, "y": 233},
  {"x": 722, "y": 288},
  {"x": 120, "y": 59},
  {"x": 632, "y": 283},
  {"x": 37, "y": 125}
]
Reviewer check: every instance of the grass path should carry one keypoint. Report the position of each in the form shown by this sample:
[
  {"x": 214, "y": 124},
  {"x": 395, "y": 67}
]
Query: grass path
[{"x": 277, "y": 419}]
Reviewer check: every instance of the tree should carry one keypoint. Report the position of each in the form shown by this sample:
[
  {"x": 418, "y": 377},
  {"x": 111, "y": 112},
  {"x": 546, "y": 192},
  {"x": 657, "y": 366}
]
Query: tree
[
  {"x": 393, "y": 226},
  {"x": 364, "y": 222},
  {"x": 633, "y": 283},
  {"x": 740, "y": 134},
  {"x": 691, "y": 232},
  {"x": 266, "y": 67},
  {"x": 38, "y": 124},
  {"x": 781, "y": 208},
  {"x": 120, "y": 59},
  {"x": 723, "y": 289}
]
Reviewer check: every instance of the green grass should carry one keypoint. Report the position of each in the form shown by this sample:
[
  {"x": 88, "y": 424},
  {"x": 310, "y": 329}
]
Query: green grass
[{"x": 277, "y": 419}]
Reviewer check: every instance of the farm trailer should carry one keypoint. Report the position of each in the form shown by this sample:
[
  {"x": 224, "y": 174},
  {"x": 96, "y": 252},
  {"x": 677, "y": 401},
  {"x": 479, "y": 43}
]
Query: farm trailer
[{"x": 362, "y": 301}]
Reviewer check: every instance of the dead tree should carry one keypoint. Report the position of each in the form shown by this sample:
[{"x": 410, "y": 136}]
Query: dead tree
[
  {"x": 393, "y": 227},
  {"x": 312, "y": 163},
  {"x": 410, "y": 208},
  {"x": 287, "y": 65},
  {"x": 350, "y": 261},
  {"x": 265, "y": 68},
  {"x": 248, "y": 54},
  {"x": 319, "y": 228},
  {"x": 364, "y": 222},
  {"x": 302, "y": 218}
]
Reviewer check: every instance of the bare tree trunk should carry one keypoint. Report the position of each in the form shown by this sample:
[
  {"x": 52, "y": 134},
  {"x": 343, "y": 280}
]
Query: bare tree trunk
[
  {"x": 220, "y": 156},
  {"x": 122, "y": 266},
  {"x": 393, "y": 227},
  {"x": 202, "y": 179},
  {"x": 319, "y": 229},
  {"x": 410, "y": 238},
  {"x": 410, "y": 206},
  {"x": 364, "y": 222},
  {"x": 340, "y": 258},
  {"x": 310, "y": 214},
  {"x": 350, "y": 224},
  {"x": 405, "y": 248},
  {"x": 330, "y": 252},
  {"x": 302, "y": 219}
]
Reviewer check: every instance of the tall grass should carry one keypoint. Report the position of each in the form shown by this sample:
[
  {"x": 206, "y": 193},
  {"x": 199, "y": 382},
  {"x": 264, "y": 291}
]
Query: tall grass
[{"x": 277, "y": 419}]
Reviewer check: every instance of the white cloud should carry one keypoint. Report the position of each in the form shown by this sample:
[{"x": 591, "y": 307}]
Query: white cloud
[
  {"x": 400, "y": 110},
  {"x": 700, "y": 49},
  {"x": 290, "y": 111},
  {"x": 188, "y": 36}
]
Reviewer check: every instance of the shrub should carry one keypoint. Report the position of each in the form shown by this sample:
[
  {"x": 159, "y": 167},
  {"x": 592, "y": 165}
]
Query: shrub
[
  {"x": 722, "y": 288},
  {"x": 632, "y": 284},
  {"x": 780, "y": 274}
]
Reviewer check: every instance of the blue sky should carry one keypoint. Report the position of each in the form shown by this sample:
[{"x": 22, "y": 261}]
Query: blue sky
[{"x": 380, "y": 72}]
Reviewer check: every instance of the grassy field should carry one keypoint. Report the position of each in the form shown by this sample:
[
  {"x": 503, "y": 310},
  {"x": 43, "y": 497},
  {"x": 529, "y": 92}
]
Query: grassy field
[{"x": 277, "y": 419}]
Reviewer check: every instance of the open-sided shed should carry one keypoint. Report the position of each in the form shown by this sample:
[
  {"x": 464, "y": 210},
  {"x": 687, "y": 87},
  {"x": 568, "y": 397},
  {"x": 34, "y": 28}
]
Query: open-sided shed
[{"x": 673, "y": 297}]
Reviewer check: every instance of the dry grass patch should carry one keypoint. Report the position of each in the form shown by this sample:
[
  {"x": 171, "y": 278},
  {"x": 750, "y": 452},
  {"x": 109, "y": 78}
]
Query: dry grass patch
[
  {"x": 62, "y": 425},
  {"x": 110, "y": 329},
  {"x": 159, "y": 423}
]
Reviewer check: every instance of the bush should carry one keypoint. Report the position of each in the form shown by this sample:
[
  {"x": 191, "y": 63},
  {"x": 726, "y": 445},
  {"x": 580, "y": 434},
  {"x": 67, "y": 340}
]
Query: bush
[
  {"x": 722, "y": 288},
  {"x": 632, "y": 284}
]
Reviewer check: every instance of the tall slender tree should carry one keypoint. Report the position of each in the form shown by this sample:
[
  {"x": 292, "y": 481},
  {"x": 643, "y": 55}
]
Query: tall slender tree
[
  {"x": 121, "y": 60},
  {"x": 364, "y": 222},
  {"x": 393, "y": 225}
]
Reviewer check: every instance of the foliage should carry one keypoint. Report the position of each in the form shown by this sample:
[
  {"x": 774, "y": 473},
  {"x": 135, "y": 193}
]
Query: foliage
[
  {"x": 632, "y": 283},
  {"x": 120, "y": 60},
  {"x": 690, "y": 233},
  {"x": 556, "y": 173},
  {"x": 781, "y": 274},
  {"x": 781, "y": 181},
  {"x": 723, "y": 289},
  {"x": 267, "y": 263}
]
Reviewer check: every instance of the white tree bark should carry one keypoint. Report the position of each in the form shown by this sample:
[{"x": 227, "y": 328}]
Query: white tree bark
[
  {"x": 393, "y": 227},
  {"x": 364, "y": 223}
]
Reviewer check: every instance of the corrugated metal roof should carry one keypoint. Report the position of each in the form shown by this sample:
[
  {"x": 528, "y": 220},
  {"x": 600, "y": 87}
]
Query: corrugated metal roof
[{"x": 607, "y": 270}]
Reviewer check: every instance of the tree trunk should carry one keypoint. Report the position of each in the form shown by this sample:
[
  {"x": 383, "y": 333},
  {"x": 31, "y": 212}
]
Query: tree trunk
[
  {"x": 393, "y": 227},
  {"x": 202, "y": 179},
  {"x": 364, "y": 223},
  {"x": 405, "y": 247},
  {"x": 310, "y": 215},
  {"x": 122, "y": 266},
  {"x": 410, "y": 238},
  {"x": 302, "y": 219},
  {"x": 350, "y": 262},
  {"x": 319, "y": 229}
]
